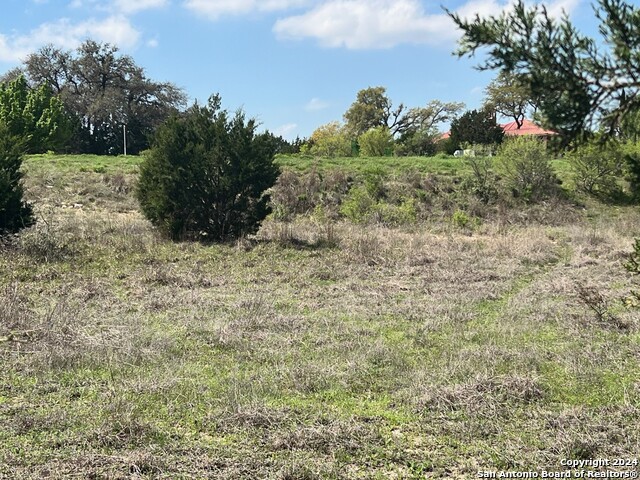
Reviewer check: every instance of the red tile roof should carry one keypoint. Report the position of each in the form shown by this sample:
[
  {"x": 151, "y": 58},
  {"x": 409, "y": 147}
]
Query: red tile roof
[
  {"x": 527, "y": 128},
  {"x": 511, "y": 128}
]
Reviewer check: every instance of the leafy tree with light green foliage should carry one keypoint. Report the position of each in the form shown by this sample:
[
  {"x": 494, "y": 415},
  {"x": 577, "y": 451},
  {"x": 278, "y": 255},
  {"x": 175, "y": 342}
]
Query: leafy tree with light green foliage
[
  {"x": 509, "y": 96},
  {"x": 581, "y": 84},
  {"x": 373, "y": 108},
  {"x": 35, "y": 115},
  {"x": 330, "y": 140},
  {"x": 376, "y": 142},
  {"x": 206, "y": 175},
  {"x": 15, "y": 213}
]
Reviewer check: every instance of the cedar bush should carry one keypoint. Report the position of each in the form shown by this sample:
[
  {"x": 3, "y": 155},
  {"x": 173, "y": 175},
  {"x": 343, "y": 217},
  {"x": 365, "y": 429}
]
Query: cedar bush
[
  {"x": 631, "y": 157},
  {"x": 15, "y": 213},
  {"x": 206, "y": 175}
]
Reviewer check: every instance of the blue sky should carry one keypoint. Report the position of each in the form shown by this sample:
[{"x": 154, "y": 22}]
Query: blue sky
[{"x": 293, "y": 64}]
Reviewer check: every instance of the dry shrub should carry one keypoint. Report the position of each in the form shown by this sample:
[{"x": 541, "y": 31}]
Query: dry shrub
[
  {"x": 313, "y": 377},
  {"x": 117, "y": 182},
  {"x": 295, "y": 193},
  {"x": 378, "y": 246},
  {"x": 51, "y": 336},
  {"x": 592, "y": 298},
  {"x": 583, "y": 433},
  {"x": 482, "y": 396},
  {"x": 367, "y": 249},
  {"x": 72, "y": 331},
  {"x": 129, "y": 465},
  {"x": 327, "y": 437},
  {"x": 15, "y": 313},
  {"x": 252, "y": 415},
  {"x": 123, "y": 425},
  {"x": 47, "y": 243},
  {"x": 303, "y": 233},
  {"x": 255, "y": 325}
]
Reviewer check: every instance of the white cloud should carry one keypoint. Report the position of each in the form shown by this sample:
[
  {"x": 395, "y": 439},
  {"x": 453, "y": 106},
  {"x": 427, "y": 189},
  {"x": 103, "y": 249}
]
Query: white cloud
[
  {"x": 153, "y": 43},
  {"x": 316, "y": 104},
  {"x": 121, "y": 6},
  {"x": 361, "y": 24},
  {"x": 130, "y": 6},
  {"x": 115, "y": 29},
  {"x": 82, "y": 3},
  {"x": 285, "y": 130},
  {"x": 358, "y": 24},
  {"x": 63, "y": 33},
  {"x": 214, "y": 9},
  {"x": 557, "y": 8}
]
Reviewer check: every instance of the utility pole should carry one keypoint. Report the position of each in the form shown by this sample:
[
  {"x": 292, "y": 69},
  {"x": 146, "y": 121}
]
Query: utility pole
[{"x": 124, "y": 134}]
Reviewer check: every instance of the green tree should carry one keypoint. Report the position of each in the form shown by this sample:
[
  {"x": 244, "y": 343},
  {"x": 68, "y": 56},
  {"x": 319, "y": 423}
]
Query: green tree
[
  {"x": 631, "y": 155},
  {"x": 105, "y": 91},
  {"x": 35, "y": 115},
  {"x": 509, "y": 96},
  {"x": 421, "y": 143},
  {"x": 424, "y": 120},
  {"x": 330, "y": 140},
  {"x": 476, "y": 127},
  {"x": 579, "y": 82},
  {"x": 15, "y": 213},
  {"x": 421, "y": 133},
  {"x": 630, "y": 127},
  {"x": 206, "y": 175},
  {"x": 373, "y": 108},
  {"x": 375, "y": 142}
]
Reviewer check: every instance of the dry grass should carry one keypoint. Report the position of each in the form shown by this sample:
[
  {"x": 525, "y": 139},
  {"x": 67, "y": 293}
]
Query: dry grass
[{"x": 317, "y": 349}]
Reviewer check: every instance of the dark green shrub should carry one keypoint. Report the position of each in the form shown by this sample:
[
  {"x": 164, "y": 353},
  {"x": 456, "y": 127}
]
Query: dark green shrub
[
  {"x": 15, "y": 213},
  {"x": 206, "y": 175},
  {"x": 526, "y": 168},
  {"x": 416, "y": 143},
  {"x": 631, "y": 155},
  {"x": 476, "y": 127}
]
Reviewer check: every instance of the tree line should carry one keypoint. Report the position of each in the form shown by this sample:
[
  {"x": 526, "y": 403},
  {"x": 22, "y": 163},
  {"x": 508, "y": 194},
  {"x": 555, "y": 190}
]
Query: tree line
[
  {"x": 208, "y": 172},
  {"x": 372, "y": 126},
  {"x": 98, "y": 93},
  {"x": 81, "y": 101}
]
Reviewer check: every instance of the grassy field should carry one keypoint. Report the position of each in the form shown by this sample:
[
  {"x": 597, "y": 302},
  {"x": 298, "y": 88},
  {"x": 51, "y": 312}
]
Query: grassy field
[{"x": 317, "y": 349}]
